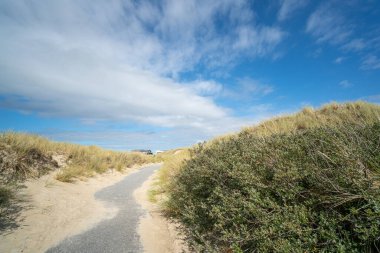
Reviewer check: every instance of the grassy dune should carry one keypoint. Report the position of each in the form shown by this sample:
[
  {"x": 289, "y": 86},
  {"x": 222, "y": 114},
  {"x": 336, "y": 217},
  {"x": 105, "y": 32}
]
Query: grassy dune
[
  {"x": 24, "y": 156},
  {"x": 330, "y": 115},
  {"x": 308, "y": 182}
]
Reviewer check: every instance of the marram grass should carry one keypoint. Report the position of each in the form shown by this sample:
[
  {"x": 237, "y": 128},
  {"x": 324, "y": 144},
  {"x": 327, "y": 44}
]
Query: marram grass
[{"x": 26, "y": 155}]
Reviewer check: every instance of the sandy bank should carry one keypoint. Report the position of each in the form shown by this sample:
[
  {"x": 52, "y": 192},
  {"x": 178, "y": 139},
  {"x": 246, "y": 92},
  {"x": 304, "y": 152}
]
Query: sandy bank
[
  {"x": 157, "y": 234},
  {"x": 56, "y": 210}
]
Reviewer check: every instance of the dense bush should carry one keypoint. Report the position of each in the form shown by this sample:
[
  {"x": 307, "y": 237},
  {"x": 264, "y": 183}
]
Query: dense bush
[{"x": 314, "y": 190}]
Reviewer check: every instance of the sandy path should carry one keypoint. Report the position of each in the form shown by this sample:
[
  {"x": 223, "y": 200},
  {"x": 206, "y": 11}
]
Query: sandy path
[
  {"x": 157, "y": 234},
  {"x": 58, "y": 210},
  {"x": 119, "y": 234}
]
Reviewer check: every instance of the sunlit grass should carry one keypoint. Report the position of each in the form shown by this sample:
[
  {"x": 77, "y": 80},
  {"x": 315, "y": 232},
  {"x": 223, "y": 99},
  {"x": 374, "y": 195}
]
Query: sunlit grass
[
  {"x": 172, "y": 161},
  {"x": 333, "y": 114},
  {"x": 32, "y": 156}
]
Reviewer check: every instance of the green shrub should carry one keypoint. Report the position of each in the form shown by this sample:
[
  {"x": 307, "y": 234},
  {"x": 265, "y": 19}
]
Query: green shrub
[
  {"x": 5, "y": 196},
  {"x": 312, "y": 190}
]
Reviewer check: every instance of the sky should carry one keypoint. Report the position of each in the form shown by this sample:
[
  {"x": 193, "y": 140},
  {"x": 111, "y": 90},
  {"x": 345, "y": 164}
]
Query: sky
[{"x": 165, "y": 74}]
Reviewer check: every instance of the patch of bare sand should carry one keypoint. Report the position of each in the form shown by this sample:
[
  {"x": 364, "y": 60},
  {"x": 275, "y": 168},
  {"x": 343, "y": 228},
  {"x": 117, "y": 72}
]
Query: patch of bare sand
[
  {"x": 157, "y": 234},
  {"x": 56, "y": 210}
]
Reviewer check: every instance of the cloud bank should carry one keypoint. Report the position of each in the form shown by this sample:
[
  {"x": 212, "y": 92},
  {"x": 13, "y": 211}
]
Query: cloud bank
[{"x": 121, "y": 60}]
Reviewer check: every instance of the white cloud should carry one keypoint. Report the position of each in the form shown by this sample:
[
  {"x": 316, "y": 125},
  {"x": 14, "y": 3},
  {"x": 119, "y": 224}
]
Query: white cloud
[
  {"x": 345, "y": 84},
  {"x": 246, "y": 90},
  {"x": 370, "y": 62},
  {"x": 149, "y": 139},
  {"x": 260, "y": 41},
  {"x": 326, "y": 24},
  {"x": 332, "y": 23},
  {"x": 206, "y": 88},
  {"x": 355, "y": 45},
  {"x": 255, "y": 87},
  {"x": 339, "y": 60},
  {"x": 130, "y": 140},
  {"x": 289, "y": 6},
  {"x": 119, "y": 60}
]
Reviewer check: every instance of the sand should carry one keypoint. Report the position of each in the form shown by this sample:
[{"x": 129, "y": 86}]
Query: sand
[
  {"x": 157, "y": 234},
  {"x": 56, "y": 210}
]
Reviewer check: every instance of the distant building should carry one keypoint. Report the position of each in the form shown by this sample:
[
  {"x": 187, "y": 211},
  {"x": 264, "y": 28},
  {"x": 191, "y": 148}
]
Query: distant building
[
  {"x": 144, "y": 151},
  {"x": 159, "y": 151}
]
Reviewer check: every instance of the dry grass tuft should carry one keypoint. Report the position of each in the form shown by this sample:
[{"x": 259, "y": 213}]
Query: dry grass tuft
[
  {"x": 25, "y": 155},
  {"x": 333, "y": 114}
]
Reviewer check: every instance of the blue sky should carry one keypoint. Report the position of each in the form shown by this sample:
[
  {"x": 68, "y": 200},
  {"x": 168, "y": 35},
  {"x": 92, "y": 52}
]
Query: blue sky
[{"x": 165, "y": 74}]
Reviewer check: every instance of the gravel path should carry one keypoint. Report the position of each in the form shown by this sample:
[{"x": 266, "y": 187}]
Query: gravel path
[{"x": 118, "y": 234}]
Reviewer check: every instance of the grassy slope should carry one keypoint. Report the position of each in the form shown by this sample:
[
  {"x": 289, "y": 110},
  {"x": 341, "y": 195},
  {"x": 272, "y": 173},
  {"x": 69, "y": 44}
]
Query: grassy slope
[
  {"x": 172, "y": 161},
  {"x": 33, "y": 157},
  {"x": 307, "y": 182},
  {"x": 330, "y": 115}
]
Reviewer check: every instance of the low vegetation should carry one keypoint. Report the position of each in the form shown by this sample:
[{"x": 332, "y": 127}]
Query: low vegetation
[
  {"x": 309, "y": 182},
  {"x": 5, "y": 197},
  {"x": 172, "y": 162}
]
